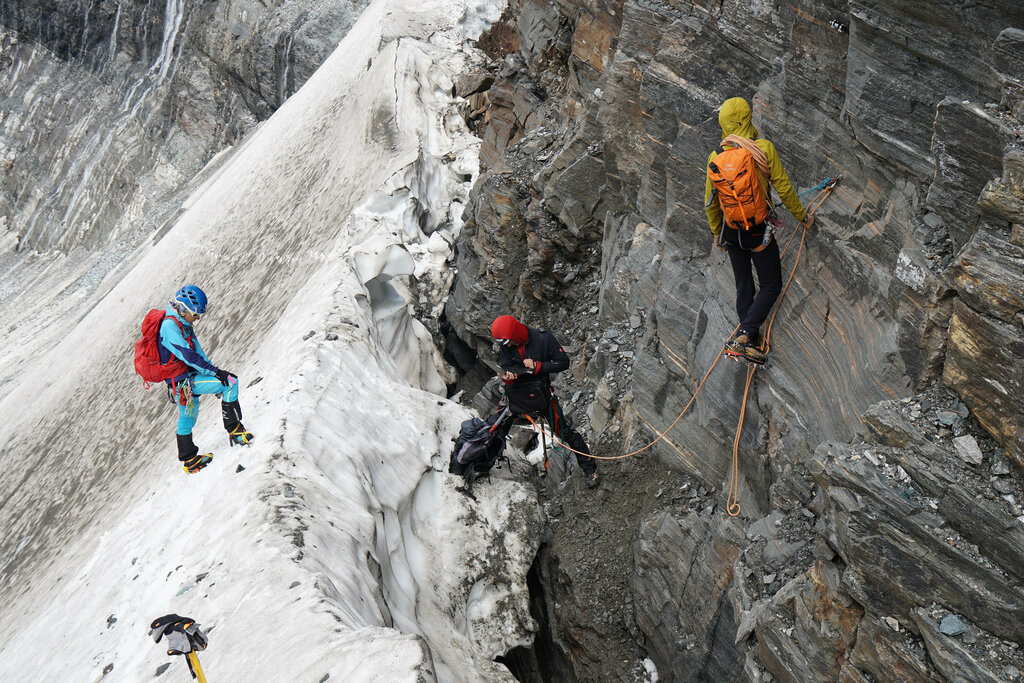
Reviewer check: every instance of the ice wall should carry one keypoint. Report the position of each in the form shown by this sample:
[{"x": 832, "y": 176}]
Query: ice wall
[{"x": 334, "y": 545}]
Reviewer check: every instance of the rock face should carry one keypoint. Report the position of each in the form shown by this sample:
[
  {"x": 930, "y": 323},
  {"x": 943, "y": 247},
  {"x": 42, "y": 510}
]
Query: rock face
[
  {"x": 681, "y": 584},
  {"x": 602, "y": 115}
]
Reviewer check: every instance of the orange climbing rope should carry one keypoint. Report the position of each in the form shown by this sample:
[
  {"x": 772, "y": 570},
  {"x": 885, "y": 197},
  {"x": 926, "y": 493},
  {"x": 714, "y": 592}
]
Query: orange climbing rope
[
  {"x": 689, "y": 403},
  {"x": 732, "y": 505}
]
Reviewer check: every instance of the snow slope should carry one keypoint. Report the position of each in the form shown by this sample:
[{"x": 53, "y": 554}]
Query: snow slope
[{"x": 341, "y": 548}]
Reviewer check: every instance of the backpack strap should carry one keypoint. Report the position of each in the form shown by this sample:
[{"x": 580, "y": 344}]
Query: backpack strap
[{"x": 189, "y": 339}]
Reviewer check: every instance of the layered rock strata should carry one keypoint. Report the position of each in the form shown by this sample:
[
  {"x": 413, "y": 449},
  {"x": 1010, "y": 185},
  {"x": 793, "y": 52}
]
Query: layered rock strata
[{"x": 840, "y": 565}]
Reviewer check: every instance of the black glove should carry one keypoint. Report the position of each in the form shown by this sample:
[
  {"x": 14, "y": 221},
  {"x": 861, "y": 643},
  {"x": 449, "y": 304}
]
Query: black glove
[
  {"x": 223, "y": 376},
  {"x": 183, "y": 634}
]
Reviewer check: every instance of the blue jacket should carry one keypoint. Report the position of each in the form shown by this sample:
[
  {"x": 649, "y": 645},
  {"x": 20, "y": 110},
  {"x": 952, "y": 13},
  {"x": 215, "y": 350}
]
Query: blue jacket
[{"x": 174, "y": 343}]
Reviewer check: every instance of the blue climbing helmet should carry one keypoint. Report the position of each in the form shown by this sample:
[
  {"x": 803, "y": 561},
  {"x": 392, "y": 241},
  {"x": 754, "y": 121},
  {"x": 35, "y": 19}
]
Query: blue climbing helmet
[{"x": 192, "y": 298}]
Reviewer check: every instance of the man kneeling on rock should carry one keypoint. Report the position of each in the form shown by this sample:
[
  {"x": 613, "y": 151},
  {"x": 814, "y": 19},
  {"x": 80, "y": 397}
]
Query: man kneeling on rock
[{"x": 528, "y": 357}]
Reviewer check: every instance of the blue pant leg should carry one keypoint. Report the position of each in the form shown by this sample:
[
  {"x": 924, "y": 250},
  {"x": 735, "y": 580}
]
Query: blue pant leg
[
  {"x": 231, "y": 394},
  {"x": 187, "y": 416},
  {"x": 209, "y": 384},
  {"x": 203, "y": 384}
]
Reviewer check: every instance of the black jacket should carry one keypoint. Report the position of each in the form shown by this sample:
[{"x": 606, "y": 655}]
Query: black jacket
[{"x": 542, "y": 347}]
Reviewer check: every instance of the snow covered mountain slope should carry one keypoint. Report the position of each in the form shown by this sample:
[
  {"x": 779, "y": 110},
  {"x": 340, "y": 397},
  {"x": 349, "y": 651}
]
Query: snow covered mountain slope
[{"x": 340, "y": 548}]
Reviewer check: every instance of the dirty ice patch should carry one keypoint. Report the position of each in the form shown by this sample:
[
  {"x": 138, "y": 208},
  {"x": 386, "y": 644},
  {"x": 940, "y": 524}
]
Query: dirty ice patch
[{"x": 368, "y": 491}]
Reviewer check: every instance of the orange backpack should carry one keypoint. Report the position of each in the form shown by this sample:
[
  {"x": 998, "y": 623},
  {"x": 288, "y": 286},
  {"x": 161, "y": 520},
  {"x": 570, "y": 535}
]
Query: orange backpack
[{"x": 743, "y": 201}]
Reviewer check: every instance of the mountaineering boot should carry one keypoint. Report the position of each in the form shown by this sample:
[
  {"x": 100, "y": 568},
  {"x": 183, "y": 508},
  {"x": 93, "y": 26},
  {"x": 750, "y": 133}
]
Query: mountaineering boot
[
  {"x": 744, "y": 346},
  {"x": 240, "y": 436},
  {"x": 189, "y": 455},
  {"x": 749, "y": 353},
  {"x": 232, "y": 414},
  {"x": 742, "y": 338},
  {"x": 197, "y": 462}
]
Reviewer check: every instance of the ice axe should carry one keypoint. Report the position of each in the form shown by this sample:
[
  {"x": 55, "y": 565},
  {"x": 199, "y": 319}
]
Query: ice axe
[
  {"x": 192, "y": 659},
  {"x": 183, "y": 638}
]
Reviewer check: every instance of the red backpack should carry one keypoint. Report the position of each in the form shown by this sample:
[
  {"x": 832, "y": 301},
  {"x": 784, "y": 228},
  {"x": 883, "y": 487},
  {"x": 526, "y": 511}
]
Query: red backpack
[{"x": 147, "y": 351}]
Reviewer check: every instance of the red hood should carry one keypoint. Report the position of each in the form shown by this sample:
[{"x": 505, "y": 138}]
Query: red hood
[{"x": 507, "y": 327}]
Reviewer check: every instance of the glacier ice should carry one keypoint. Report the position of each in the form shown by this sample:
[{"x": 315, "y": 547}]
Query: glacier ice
[{"x": 342, "y": 547}]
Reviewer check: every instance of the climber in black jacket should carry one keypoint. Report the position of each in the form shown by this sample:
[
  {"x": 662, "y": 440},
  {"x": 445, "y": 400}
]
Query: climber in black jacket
[{"x": 528, "y": 357}]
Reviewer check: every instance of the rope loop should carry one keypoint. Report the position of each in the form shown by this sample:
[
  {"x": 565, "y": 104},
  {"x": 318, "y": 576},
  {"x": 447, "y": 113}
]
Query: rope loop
[{"x": 732, "y": 505}]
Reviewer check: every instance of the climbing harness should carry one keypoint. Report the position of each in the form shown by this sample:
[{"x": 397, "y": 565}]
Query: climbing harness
[{"x": 823, "y": 189}]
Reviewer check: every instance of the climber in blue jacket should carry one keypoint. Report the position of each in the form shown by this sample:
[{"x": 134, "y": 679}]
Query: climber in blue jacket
[{"x": 178, "y": 340}]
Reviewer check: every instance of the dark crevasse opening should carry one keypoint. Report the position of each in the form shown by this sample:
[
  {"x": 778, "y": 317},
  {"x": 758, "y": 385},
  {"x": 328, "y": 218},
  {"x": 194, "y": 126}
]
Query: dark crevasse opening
[
  {"x": 472, "y": 371},
  {"x": 545, "y": 661}
]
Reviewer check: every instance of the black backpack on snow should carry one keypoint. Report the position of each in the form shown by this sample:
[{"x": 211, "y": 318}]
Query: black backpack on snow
[{"x": 479, "y": 445}]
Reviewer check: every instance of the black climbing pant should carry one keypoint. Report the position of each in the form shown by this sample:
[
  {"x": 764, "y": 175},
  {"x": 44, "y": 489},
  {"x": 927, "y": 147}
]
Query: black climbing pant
[
  {"x": 562, "y": 428},
  {"x": 754, "y": 309}
]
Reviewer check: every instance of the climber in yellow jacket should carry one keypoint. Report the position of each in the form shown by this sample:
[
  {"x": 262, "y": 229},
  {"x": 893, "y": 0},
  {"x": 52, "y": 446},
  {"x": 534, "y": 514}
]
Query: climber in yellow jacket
[{"x": 737, "y": 200}]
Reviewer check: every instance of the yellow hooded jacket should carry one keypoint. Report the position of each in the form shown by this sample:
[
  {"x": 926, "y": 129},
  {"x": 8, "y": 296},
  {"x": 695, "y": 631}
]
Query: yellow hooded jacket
[{"x": 734, "y": 117}]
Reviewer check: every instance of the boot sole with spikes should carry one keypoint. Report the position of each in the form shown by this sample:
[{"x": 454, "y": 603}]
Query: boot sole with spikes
[
  {"x": 241, "y": 438},
  {"x": 197, "y": 463}
]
